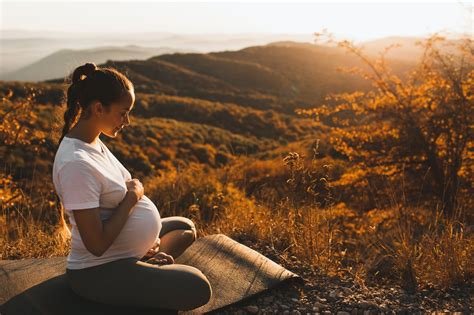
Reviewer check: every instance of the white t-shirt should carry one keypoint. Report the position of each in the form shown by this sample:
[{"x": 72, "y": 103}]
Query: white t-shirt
[{"x": 87, "y": 176}]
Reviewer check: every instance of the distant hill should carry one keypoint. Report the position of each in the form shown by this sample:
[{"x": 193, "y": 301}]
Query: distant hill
[
  {"x": 21, "y": 48},
  {"x": 406, "y": 49},
  {"x": 280, "y": 76},
  {"x": 61, "y": 63},
  {"x": 212, "y": 107}
]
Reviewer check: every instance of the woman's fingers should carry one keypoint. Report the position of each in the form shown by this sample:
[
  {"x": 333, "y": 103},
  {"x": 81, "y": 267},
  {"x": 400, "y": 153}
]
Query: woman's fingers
[
  {"x": 170, "y": 259},
  {"x": 156, "y": 261},
  {"x": 161, "y": 258},
  {"x": 162, "y": 255}
]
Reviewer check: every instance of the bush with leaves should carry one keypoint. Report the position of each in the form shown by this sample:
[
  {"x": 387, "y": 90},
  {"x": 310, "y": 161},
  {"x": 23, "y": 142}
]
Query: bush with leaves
[{"x": 422, "y": 126}]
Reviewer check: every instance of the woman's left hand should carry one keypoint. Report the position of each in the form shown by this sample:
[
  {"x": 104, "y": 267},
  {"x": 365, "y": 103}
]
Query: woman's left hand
[
  {"x": 153, "y": 250},
  {"x": 161, "y": 258}
]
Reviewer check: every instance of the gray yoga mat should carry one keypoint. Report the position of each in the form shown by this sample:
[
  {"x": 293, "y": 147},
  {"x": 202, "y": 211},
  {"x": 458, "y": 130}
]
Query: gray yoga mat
[{"x": 235, "y": 271}]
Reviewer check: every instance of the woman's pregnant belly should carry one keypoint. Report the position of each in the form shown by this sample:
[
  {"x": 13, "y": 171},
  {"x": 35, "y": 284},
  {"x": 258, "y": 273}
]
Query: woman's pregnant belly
[{"x": 140, "y": 232}]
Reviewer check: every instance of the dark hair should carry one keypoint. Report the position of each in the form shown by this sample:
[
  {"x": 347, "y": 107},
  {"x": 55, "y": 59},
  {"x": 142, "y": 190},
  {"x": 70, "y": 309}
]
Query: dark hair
[{"x": 88, "y": 83}]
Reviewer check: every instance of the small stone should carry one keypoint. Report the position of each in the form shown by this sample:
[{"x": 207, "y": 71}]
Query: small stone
[
  {"x": 343, "y": 313},
  {"x": 364, "y": 304},
  {"x": 332, "y": 294},
  {"x": 308, "y": 286},
  {"x": 295, "y": 312},
  {"x": 319, "y": 305},
  {"x": 346, "y": 290},
  {"x": 268, "y": 299},
  {"x": 253, "y": 309},
  {"x": 285, "y": 307},
  {"x": 294, "y": 300},
  {"x": 286, "y": 312},
  {"x": 405, "y": 298}
]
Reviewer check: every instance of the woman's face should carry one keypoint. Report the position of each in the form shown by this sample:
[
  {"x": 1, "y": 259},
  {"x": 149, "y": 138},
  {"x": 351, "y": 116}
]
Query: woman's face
[{"x": 118, "y": 115}]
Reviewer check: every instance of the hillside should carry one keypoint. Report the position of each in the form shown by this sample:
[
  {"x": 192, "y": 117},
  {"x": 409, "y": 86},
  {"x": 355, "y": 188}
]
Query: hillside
[
  {"x": 404, "y": 48},
  {"x": 65, "y": 60},
  {"x": 279, "y": 76},
  {"x": 169, "y": 131},
  {"x": 21, "y": 48}
]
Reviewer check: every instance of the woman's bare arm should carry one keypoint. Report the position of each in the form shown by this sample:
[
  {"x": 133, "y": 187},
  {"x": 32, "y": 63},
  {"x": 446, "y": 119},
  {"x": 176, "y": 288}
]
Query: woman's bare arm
[{"x": 98, "y": 236}]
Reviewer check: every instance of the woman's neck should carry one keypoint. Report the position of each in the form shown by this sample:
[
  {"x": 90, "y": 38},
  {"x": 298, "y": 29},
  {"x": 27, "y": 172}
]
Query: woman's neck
[{"x": 85, "y": 131}]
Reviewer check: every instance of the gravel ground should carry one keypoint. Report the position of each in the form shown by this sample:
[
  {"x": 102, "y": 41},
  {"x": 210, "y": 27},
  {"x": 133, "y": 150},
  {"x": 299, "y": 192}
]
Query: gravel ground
[{"x": 319, "y": 294}]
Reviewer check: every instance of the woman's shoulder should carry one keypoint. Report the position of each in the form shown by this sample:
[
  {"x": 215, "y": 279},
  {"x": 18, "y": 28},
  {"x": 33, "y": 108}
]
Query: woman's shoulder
[
  {"x": 69, "y": 151},
  {"x": 75, "y": 160}
]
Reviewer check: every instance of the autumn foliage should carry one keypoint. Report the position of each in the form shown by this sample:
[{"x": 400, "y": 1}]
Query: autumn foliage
[{"x": 421, "y": 128}]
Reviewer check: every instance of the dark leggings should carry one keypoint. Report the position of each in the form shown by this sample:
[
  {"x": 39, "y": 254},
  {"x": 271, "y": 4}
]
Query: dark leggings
[{"x": 132, "y": 282}]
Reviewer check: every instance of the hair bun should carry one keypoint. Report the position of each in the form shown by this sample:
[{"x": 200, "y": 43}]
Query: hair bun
[{"x": 84, "y": 70}]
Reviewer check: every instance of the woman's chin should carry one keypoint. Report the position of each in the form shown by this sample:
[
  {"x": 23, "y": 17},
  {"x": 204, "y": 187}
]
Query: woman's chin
[{"x": 112, "y": 134}]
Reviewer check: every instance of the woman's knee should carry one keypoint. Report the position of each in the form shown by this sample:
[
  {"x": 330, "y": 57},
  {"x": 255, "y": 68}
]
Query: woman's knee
[
  {"x": 206, "y": 288},
  {"x": 192, "y": 227},
  {"x": 178, "y": 223},
  {"x": 193, "y": 230},
  {"x": 200, "y": 293},
  {"x": 190, "y": 236}
]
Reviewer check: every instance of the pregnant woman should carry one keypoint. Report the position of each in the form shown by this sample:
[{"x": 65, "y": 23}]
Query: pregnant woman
[{"x": 122, "y": 251}]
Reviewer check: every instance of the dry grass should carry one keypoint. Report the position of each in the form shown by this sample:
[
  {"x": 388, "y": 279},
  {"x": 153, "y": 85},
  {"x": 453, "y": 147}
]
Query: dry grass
[
  {"x": 29, "y": 238},
  {"x": 407, "y": 245}
]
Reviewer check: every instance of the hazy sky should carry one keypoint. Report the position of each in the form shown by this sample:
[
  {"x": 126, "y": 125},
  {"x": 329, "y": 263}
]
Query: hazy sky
[{"x": 356, "y": 20}]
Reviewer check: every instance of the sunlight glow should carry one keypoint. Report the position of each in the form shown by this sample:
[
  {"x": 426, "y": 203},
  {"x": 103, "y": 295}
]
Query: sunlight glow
[{"x": 356, "y": 20}]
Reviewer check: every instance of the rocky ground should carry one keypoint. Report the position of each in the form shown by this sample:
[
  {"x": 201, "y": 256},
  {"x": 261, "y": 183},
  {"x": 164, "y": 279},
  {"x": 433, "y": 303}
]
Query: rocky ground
[{"x": 332, "y": 295}]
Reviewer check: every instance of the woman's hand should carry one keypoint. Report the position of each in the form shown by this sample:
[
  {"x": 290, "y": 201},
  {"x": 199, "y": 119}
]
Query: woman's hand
[
  {"x": 161, "y": 258},
  {"x": 135, "y": 187},
  {"x": 153, "y": 250}
]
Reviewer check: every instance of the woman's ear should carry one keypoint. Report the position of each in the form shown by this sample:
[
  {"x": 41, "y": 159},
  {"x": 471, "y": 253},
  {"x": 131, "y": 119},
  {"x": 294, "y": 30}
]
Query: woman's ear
[{"x": 97, "y": 109}]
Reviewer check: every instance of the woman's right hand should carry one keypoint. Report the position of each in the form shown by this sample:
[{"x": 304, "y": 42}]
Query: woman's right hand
[
  {"x": 135, "y": 187},
  {"x": 161, "y": 258}
]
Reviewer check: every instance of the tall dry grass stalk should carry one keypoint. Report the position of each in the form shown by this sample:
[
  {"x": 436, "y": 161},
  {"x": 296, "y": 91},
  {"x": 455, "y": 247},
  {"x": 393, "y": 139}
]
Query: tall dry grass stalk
[
  {"x": 446, "y": 249},
  {"x": 421, "y": 247},
  {"x": 26, "y": 229}
]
